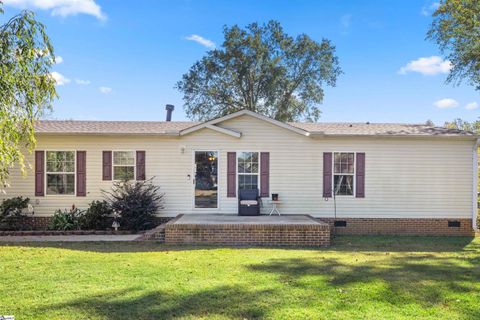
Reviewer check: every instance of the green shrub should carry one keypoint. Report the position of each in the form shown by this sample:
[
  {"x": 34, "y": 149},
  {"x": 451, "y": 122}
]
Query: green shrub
[
  {"x": 136, "y": 202},
  {"x": 96, "y": 216},
  {"x": 67, "y": 219},
  {"x": 12, "y": 216}
]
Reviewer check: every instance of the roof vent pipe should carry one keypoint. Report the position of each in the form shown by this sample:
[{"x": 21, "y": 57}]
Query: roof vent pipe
[{"x": 169, "y": 109}]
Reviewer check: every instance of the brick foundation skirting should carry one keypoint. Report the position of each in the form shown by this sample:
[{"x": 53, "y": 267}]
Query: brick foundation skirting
[
  {"x": 400, "y": 226},
  {"x": 355, "y": 226},
  {"x": 37, "y": 223},
  {"x": 254, "y": 235}
]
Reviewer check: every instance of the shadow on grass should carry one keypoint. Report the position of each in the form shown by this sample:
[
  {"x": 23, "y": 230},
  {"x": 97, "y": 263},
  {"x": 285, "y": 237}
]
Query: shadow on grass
[
  {"x": 405, "y": 243},
  {"x": 339, "y": 243},
  {"x": 425, "y": 279},
  {"x": 226, "y": 301}
]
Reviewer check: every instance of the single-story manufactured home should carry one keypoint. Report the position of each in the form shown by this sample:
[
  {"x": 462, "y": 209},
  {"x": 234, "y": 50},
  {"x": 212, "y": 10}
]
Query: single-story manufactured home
[{"x": 361, "y": 178}]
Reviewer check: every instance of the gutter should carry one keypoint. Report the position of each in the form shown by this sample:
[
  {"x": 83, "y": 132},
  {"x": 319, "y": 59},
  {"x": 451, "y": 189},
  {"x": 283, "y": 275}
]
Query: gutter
[{"x": 419, "y": 136}]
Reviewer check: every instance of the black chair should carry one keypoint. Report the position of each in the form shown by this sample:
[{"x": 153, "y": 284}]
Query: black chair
[{"x": 248, "y": 202}]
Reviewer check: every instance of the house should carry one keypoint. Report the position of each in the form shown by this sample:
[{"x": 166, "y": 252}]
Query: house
[{"x": 363, "y": 178}]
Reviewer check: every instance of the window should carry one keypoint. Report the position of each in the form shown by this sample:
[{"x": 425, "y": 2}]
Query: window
[
  {"x": 123, "y": 165},
  {"x": 60, "y": 172},
  {"x": 344, "y": 168},
  {"x": 247, "y": 170}
]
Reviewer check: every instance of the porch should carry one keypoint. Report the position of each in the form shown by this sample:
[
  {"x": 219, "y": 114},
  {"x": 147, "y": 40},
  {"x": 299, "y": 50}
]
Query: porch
[{"x": 287, "y": 230}]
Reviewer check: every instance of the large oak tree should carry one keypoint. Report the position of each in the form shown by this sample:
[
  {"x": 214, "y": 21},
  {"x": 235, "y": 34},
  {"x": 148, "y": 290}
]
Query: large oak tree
[
  {"x": 26, "y": 87},
  {"x": 262, "y": 69},
  {"x": 456, "y": 29}
]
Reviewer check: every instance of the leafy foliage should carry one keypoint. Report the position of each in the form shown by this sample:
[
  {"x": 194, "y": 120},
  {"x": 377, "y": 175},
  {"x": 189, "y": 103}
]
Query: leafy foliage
[
  {"x": 67, "y": 219},
  {"x": 12, "y": 215},
  {"x": 96, "y": 216},
  {"x": 456, "y": 29},
  {"x": 137, "y": 202},
  {"x": 464, "y": 125},
  {"x": 26, "y": 86},
  {"x": 261, "y": 69}
]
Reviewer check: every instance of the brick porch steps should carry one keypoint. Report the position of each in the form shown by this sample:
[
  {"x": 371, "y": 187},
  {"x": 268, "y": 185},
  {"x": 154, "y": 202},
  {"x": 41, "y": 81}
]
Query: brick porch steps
[
  {"x": 289, "y": 231},
  {"x": 157, "y": 234}
]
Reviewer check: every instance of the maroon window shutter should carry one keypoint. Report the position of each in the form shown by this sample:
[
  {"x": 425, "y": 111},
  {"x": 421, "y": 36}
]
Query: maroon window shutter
[
  {"x": 327, "y": 174},
  {"x": 264, "y": 174},
  {"x": 39, "y": 173},
  {"x": 360, "y": 176},
  {"x": 140, "y": 165},
  {"x": 231, "y": 174},
  {"x": 107, "y": 165},
  {"x": 81, "y": 173}
]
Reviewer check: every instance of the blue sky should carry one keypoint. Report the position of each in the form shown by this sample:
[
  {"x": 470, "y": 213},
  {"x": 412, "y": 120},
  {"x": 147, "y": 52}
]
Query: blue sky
[{"x": 121, "y": 59}]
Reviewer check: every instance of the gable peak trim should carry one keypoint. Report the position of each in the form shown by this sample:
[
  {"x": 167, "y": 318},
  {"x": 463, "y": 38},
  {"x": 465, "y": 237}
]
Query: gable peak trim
[{"x": 211, "y": 124}]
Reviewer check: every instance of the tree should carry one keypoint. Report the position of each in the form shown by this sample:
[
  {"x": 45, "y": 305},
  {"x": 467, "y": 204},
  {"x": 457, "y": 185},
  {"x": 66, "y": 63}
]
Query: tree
[
  {"x": 261, "y": 69},
  {"x": 464, "y": 125},
  {"x": 456, "y": 29},
  {"x": 26, "y": 87}
]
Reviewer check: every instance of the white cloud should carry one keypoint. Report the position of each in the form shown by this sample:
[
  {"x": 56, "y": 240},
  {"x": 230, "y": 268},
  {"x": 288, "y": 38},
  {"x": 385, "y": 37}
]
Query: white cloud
[
  {"x": 61, "y": 8},
  {"x": 82, "y": 82},
  {"x": 105, "y": 90},
  {"x": 58, "y": 59},
  {"x": 429, "y": 9},
  {"x": 446, "y": 103},
  {"x": 471, "y": 106},
  {"x": 345, "y": 20},
  {"x": 201, "y": 40},
  {"x": 427, "y": 66},
  {"x": 59, "y": 78}
]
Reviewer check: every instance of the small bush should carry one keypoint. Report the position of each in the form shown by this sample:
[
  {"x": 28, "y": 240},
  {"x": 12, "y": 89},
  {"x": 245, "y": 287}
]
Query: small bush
[
  {"x": 96, "y": 216},
  {"x": 136, "y": 202},
  {"x": 67, "y": 219},
  {"x": 12, "y": 216}
]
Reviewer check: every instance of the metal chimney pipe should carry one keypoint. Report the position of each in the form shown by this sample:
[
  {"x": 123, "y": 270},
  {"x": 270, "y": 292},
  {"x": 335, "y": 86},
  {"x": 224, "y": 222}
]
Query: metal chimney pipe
[{"x": 169, "y": 109}]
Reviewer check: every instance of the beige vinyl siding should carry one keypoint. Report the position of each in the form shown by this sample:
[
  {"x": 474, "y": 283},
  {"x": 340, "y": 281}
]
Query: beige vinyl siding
[{"x": 405, "y": 177}]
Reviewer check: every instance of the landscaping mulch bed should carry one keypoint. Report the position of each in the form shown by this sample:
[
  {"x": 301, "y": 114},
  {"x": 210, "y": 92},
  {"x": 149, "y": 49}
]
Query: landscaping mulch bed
[{"x": 66, "y": 232}]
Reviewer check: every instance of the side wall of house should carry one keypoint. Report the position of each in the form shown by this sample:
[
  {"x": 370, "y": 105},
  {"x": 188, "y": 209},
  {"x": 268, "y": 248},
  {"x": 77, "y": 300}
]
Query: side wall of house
[{"x": 405, "y": 177}]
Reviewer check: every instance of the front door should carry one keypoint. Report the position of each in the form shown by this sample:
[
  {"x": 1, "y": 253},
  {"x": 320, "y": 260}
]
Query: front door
[{"x": 206, "y": 179}]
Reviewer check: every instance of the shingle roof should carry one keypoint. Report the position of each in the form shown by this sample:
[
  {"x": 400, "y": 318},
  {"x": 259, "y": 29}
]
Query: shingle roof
[
  {"x": 174, "y": 127},
  {"x": 112, "y": 127},
  {"x": 378, "y": 129}
]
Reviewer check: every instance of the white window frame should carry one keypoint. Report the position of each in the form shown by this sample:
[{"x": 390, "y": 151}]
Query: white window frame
[
  {"x": 219, "y": 188},
  {"x": 354, "y": 174},
  {"x": 134, "y": 164},
  {"x": 242, "y": 173},
  {"x": 48, "y": 172}
]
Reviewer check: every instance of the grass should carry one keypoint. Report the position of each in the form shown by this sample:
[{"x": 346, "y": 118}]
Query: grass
[{"x": 356, "y": 278}]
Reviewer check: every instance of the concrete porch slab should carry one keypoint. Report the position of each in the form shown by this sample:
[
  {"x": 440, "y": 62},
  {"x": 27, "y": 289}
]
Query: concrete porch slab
[{"x": 228, "y": 219}]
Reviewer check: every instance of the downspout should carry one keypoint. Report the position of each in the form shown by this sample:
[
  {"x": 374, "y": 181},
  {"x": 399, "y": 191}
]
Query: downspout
[{"x": 475, "y": 184}]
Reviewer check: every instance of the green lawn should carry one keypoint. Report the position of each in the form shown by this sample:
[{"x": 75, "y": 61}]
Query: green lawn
[{"x": 356, "y": 278}]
